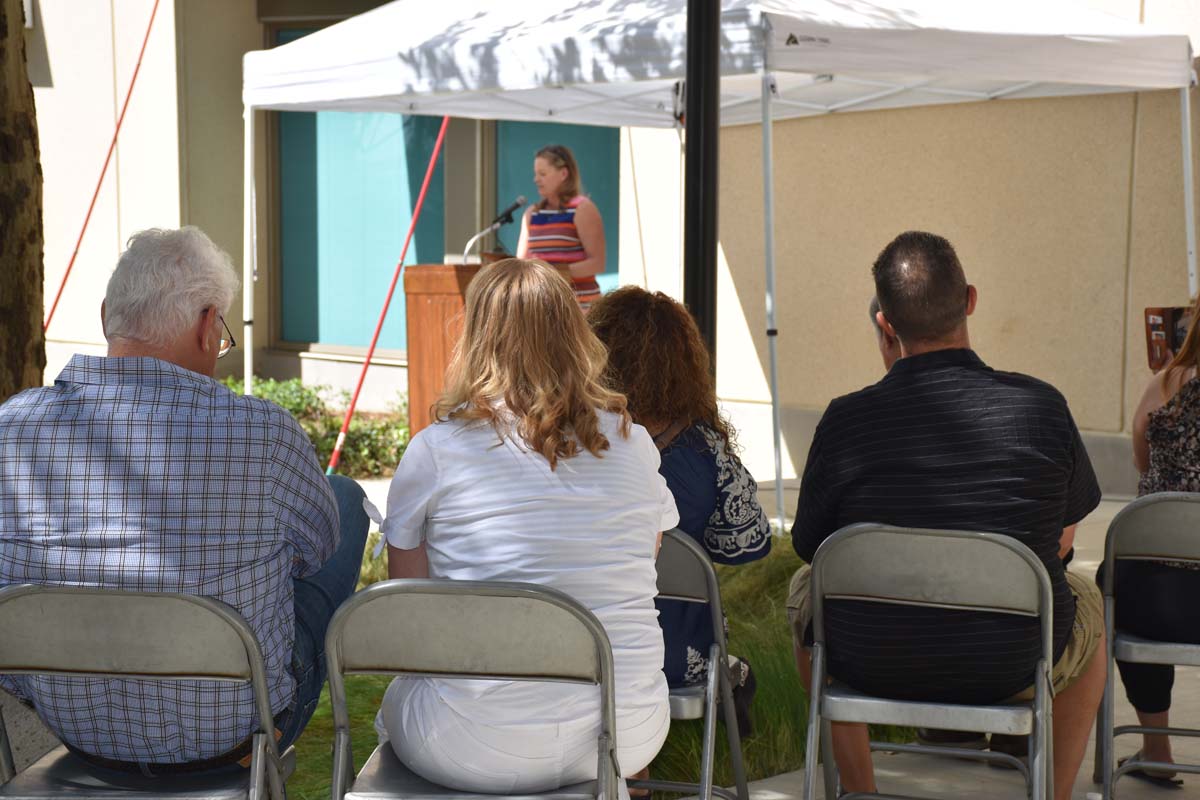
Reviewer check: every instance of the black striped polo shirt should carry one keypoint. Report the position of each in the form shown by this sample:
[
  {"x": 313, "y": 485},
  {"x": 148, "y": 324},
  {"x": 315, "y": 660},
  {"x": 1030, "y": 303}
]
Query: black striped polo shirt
[{"x": 944, "y": 441}]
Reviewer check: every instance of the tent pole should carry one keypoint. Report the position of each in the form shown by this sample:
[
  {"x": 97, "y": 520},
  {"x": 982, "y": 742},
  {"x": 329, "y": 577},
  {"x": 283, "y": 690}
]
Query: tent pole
[
  {"x": 248, "y": 254},
  {"x": 768, "y": 160},
  {"x": 1189, "y": 189}
]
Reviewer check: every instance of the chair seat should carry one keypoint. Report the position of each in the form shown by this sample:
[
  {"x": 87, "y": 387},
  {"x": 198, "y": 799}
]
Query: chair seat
[
  {"x": 1147, "y": 651},
  {"x": 58, "y": 774},
  {"x": 385, "y": 776},
  {"x": 840, "y": 703},
  {"x": 687, "y": 702}
]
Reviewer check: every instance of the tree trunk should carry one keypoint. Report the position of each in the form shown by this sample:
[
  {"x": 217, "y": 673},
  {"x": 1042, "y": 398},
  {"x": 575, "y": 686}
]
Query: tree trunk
[{"x": 22, "y": 343}]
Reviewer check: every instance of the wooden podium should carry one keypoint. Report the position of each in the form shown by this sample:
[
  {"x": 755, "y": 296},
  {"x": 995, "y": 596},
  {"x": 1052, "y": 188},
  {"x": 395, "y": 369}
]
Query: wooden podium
[{"x": 434, "y": 301}]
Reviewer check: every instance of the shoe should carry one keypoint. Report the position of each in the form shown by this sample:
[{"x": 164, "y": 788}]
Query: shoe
[
  {"x": 966, "y": 740},
  {"x": 1166, "y": 780},
  {"x": 1015, "y": 746}
]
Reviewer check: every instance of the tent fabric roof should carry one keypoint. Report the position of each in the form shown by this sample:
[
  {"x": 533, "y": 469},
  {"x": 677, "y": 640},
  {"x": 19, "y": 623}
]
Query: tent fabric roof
[{"x": 618, "y": 62}]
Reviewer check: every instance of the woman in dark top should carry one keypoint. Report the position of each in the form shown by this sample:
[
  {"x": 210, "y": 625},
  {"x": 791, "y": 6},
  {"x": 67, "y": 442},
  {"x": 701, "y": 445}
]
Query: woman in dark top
[
  {"x": 658, "y": 360},
  {"x": 1161, "y": 599}
]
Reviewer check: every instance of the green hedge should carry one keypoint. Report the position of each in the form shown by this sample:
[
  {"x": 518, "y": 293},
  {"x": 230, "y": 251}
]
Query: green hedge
[{"x": 374, "y": 442}]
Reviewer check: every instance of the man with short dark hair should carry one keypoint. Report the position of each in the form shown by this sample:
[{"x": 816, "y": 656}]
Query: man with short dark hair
[{"x": 944, "y": 441}]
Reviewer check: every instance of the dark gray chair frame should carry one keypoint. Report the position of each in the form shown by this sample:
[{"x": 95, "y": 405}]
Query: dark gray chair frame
[
  {"x": 1163, "y": 526},
  {"x": 469, "y": 629},
  {"x": 70, "y": 631},
  {"x": 685, "y": 572},
  {"x": 891, "y": 565}
]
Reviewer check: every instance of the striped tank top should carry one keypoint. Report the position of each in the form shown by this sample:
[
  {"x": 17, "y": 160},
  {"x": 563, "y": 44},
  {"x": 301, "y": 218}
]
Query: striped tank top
[{"x": 554, "y": 239}]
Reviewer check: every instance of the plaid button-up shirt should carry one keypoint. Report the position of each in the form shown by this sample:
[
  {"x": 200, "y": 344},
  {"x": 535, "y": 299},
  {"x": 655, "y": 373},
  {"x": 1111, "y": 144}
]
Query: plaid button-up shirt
[{"x": 138, "y": 474}]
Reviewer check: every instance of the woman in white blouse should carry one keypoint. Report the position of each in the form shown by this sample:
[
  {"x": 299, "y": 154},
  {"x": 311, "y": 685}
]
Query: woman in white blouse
[{"x": 533, "y": 472}]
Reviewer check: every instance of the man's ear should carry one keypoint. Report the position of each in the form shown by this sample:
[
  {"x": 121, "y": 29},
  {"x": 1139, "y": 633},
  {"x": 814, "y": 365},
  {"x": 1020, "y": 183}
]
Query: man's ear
[
  {"x": 886, "y": 327},
  {"x": 208, "y": 318},
  {"x": 972, "y": 298}
]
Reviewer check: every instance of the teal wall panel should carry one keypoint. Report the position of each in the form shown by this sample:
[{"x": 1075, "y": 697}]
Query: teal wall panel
[{"x": 348, "y": 186}]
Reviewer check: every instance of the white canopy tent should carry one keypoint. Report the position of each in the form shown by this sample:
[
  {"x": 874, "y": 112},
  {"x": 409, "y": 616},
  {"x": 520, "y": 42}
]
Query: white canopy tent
[{"x": 622, "y": 63}]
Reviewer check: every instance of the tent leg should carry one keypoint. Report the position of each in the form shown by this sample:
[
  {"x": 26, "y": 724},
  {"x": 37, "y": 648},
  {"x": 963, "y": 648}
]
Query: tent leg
[
  {"x": 248, "y": 254},
  {"x": 1189, "y": 189},
  {"x": 768, "y": 82}
]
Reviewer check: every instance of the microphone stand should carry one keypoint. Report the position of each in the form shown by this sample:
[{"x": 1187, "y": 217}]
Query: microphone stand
[{"x": 501, "y": 221}]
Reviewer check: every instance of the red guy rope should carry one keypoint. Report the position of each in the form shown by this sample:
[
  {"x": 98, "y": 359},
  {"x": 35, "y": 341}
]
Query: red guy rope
[
  {"x": 103, "y": 170},
  {"x": 341, "y": 439}
]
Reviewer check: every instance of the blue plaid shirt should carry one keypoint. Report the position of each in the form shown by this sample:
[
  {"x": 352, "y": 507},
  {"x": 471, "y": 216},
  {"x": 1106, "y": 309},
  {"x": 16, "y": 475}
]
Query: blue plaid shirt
[{"x": 139, "y": 474}]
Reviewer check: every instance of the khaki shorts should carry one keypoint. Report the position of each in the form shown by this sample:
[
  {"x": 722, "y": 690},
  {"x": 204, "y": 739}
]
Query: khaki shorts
[{"x": 1086, "y": 633}]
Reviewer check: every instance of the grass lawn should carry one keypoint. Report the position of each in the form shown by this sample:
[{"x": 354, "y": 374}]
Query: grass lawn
[{"x": 754, "y": 597}]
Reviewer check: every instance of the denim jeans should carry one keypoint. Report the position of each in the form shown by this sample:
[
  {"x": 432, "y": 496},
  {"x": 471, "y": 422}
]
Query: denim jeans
[{"x": 316, "y": 598}]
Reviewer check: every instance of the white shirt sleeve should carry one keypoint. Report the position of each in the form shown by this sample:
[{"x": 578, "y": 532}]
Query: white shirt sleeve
[
  {"x": 667, "y": 512},
  {"x": 410, "y": 496}
]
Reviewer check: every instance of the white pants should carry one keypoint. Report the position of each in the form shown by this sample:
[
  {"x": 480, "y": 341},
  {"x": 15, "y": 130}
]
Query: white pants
[{"x": 449, "y": 749}]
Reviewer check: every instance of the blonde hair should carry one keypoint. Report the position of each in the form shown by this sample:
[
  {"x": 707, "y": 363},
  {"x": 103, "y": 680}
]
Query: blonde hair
[
  {"x": 560, "y": 156},
  {"x": 526, "y": 351}
]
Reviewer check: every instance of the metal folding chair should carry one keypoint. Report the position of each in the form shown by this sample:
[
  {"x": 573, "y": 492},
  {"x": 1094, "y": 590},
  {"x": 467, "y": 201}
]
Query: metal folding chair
[
  {"x": 937, "y": 569},
  {"x": 106, "y": 633},
  {"x": 1156, "y": 527},
  {"x": 686, "y": 573},
  {"x": 465, "y": 629}
]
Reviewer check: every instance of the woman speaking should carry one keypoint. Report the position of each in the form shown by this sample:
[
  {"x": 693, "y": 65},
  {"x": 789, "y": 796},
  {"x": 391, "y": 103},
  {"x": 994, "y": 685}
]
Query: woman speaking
[{"x": 564, "y": 227}]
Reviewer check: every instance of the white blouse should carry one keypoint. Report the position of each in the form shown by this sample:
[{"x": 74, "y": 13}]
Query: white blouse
[{"x": 490, "y": 509}]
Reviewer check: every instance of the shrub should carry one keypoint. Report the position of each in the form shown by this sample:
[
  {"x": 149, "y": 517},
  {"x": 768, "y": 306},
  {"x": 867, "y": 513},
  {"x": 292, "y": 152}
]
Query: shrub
[{"x": 374, "y": 442}]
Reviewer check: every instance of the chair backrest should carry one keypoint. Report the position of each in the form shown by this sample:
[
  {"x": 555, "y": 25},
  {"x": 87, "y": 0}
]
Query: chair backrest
[
  {"x": 1163, "y": 526},
  {"x": 685, "y": 571},
  {"x": 106, "y": 632},
  {"x": 467, "y": 629},
  {"x": 935, "y": 568},
  {"x": 112, "y": 633}
]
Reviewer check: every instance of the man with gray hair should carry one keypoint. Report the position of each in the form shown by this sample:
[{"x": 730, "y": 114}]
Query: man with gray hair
[{"x": 138, "y": 471}]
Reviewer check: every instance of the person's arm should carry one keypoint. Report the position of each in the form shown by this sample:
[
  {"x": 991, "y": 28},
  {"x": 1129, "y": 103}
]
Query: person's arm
[
  {"x": 408, "y": 563},
  {"x": 523, "y": 241},
  {"x": 409, "y": 500},
  {"x": 591, "y": 235},
  {"x": 816, "y": 512},
  {"x": 306, "y": 511},
  {"x": 1152, "y": 399},
  {"x": 737, "y": 532},
  {"x": 1066, "y": 541}
]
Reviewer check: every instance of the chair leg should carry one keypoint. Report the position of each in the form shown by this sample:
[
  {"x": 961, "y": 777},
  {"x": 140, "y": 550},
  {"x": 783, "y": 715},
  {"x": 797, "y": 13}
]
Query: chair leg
[
  {"x": 710, "y": 722},
  {"x": 258, "y": 768},
  {"x": 812, "y": 749},
  {"x": 829, "y": 769},
  {"x": 1104, "y": 738},
  {"x": 8, "y": 767},
  {"x": 731, "y": 731}
]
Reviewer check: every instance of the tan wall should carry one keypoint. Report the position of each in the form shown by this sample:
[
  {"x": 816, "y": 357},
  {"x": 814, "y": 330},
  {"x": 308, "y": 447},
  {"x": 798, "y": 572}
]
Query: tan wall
[
  {"x": 85, "y": 52},
  {"x": 213, "y": 35},
  {"x": 1067, "y": 214}
]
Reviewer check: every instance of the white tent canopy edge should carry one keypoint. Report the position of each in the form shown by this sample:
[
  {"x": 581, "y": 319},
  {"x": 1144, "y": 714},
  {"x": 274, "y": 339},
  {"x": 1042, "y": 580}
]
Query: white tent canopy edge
[{"x": 621, "y": 62}]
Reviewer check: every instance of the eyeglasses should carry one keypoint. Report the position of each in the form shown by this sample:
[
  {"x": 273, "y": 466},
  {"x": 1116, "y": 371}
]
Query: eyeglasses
[{"x": 227, "y": 341}]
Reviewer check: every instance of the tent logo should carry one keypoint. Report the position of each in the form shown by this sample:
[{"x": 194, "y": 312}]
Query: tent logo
[{"x": 793, "y": 39}]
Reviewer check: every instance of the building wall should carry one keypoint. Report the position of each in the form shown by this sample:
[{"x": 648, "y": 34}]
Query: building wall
[
  {"x": 83, "y": 53},
  {"x": 211, "y": 37}
]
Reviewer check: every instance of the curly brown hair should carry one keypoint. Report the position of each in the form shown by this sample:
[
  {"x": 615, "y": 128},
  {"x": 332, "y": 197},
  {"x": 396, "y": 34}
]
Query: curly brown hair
[{"x": 658, "y": 360}]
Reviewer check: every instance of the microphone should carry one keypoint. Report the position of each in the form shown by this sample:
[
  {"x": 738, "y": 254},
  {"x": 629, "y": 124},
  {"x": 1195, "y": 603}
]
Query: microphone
[{"x": 506, "y": 216}]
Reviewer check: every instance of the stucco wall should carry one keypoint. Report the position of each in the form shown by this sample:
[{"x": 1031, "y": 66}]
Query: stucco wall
[{"x": 88, "y": 50}]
